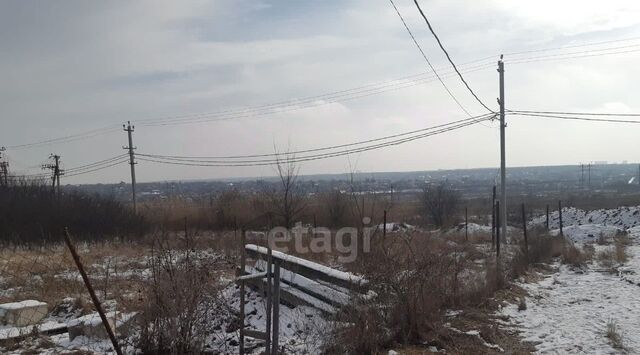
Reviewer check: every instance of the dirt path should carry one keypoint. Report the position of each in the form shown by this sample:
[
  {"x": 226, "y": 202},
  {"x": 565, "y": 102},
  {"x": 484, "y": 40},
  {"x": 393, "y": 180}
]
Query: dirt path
[{"x": 568, "y": 312}]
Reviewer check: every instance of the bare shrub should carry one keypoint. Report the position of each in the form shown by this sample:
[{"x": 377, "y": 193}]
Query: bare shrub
[
  {"x": 30, "y": 213},
  {"x": 415, "y": 277},
  {"x": 440, "y": 203},
  {"x": 180, "y": 304}
]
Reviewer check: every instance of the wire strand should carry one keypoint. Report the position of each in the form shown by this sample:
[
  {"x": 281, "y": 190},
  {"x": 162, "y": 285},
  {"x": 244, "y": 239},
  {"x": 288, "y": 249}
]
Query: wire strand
[
  {"x": 449, "y": 57},
  {"x": 427, "y": 59}
]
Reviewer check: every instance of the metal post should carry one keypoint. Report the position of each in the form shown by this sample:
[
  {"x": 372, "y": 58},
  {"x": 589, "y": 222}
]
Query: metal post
[
  {"x": 503, "y": 168},
  {"x": 242, "y": 291},
  {"x": 94, "y": 298},
  {"x": 276, "y": 308},
  {"x": 129, "y": 129},
  {"x": 269, "y": 296}
]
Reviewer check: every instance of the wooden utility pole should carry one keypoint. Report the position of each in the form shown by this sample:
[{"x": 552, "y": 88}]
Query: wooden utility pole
[
  {"x": 582, "y": 176},
  {"x": 129, "y": 129},
  {"x": 503, "y": 164},
  {"x": 55, "y": 173},
  {"x": 589, "y": 176}
]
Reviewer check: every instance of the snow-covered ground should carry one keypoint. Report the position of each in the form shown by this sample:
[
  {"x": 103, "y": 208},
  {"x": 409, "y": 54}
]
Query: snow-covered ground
[{"x": 568, "y": 312}]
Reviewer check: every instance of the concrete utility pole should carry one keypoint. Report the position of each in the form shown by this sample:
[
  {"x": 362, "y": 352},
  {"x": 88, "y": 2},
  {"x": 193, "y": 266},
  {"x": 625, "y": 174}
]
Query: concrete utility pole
[
  {"x": 129, "y": 129},
  {"x": 4, "y": 169},
  {"x": 55, "y": 173},
  {"x": 503, "y": 166},
  {"x": 582, "y": 176}
]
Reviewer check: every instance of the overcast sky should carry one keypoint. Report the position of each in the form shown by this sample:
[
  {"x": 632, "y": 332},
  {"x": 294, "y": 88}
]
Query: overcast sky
[{"x": 68, "y": 67}]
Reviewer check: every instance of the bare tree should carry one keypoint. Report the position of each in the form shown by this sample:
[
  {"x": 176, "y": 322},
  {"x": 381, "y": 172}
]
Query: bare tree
[
  {"x": 335, "y": 203},
  {"x": 440, "y": 203},
  {"x": 287, "y": 201}
]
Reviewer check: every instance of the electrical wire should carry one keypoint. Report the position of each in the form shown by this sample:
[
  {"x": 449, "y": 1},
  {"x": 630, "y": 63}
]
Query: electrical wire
[
  {"x": 65, "y": 139},
  {"x": 449, "y": 57},
  {"x": 289, "y": 158},
  {"x": 97, "y": 169},
  {"x": 333, "y": 147},
  {"x": 427, "y": 59},
  {"x": 347, "y": 94},
  {"x": 578, "y": 113},
  {"x": 575, "y": 118},
  {"x": 95, "y": 164}
]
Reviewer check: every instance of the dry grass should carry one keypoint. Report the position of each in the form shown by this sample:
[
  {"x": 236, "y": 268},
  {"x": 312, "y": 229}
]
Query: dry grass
[
  {"x": 614, "y": 335},
  {"x": 572, "y": 255}
]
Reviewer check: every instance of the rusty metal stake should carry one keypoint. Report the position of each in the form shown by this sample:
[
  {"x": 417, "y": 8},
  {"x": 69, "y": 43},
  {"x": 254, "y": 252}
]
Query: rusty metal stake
[{"x": 92, "y": 293}]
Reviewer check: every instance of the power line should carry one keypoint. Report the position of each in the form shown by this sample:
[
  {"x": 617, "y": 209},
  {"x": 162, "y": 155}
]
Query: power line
[
  {"x": 588, "y": 44},
  {"x": 578, "y": 113},
  {"x": 310, "y": 104},
  {"x": 333, "y": 147},
  {"x": 549, "y": 58},
  {"x": 427, "y": 59},
  {"x": 342, "y": 95},
  {"x": 65, "y": 139},
  {"x": 449, "y": 57},
  {"x": 95, "y": 164},
  {"x": 98, "y": 168},
  {"x": 576, "y": 118},
  {"x": 293, "y": 159}
]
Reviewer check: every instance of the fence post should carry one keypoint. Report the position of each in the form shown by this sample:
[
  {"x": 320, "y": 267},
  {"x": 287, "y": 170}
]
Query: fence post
[
  {"x": 276, "y": 308},
  {"x": 94, "y": 298},
  {"x": 560, "y": 216},
  {"x": 384, "y": 224},
  {"x": 269, "y": 295},
  {"x": 493, "y": 218},
  {"x": 497, "y": 229},
  {"x": 242, "y": 290},
  {"x": 466, "y": 225},
  {"x": 524, "y": 229},
  {"x": 547, "y": 217}
]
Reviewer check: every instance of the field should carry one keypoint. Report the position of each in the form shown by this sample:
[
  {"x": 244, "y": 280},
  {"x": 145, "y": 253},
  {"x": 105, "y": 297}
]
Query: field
[{"x": 435, "y": 291}]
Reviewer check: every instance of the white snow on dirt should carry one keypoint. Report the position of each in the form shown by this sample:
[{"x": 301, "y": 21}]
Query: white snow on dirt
[
  {"x": 587, "y": 232},
  {"x": 622, "y": 217},
  {"x": 568, "y": 311}
]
